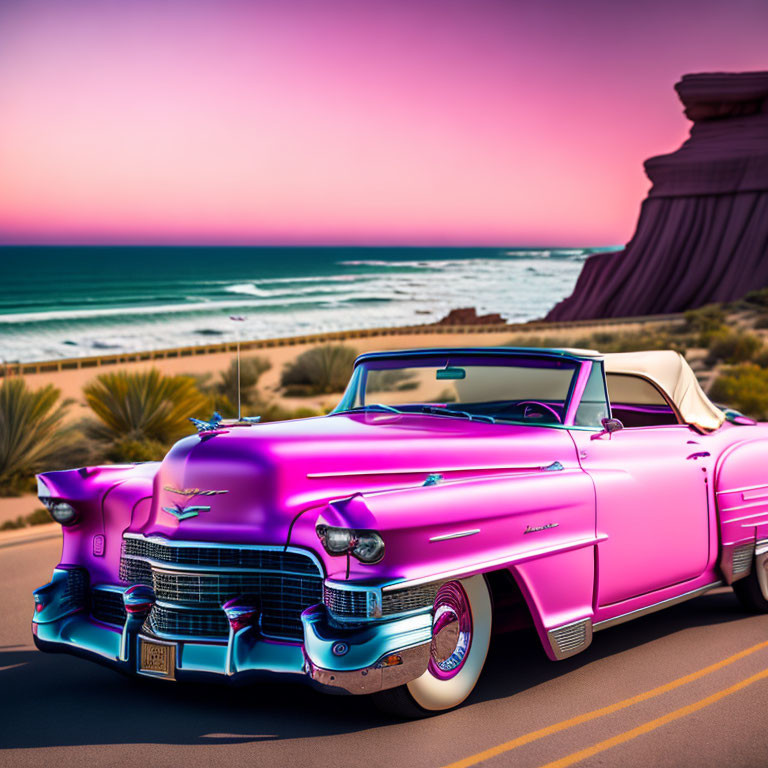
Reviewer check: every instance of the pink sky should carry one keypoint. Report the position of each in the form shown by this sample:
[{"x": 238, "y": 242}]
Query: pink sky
[{"x": 363, "y": 122}]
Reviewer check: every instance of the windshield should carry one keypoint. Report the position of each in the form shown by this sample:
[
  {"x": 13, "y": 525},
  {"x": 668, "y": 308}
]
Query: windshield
[{"x": 534, "y": 390}]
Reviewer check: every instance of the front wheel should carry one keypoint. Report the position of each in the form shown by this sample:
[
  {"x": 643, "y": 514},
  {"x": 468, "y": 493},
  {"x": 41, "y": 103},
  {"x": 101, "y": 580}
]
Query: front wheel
[
  {"x": 461, "y": 634},
  {"x": 752, "y": 590}
]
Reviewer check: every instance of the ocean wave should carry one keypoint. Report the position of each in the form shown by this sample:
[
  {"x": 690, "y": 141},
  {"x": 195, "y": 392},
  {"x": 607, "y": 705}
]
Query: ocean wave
[
  {"x": 247, "y": 288},
  {"x": 357, "y": 293}
]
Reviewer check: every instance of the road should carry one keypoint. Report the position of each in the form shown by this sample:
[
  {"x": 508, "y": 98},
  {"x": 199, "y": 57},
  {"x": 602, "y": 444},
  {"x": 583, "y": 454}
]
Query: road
[{"x": 602, "y": 708}]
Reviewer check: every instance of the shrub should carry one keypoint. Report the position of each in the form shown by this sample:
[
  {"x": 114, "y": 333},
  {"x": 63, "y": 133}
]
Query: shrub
[
  {"x": 744, "y": 387},
  {"x": 319, "y": 371},
  {"x": 537, "y": 341},
  {"x": 759, "y": 297},
  {"x": 733, "y": 347},
  {"x": 705, "y": 320},
  {"x": 30, "y": 433},
  {"x": 251, "y": 369},
  {"x": 39, "y": 517},
  {"x": 127, "y": 449},
  {"x": 390, "y": 381},
  {"x": 274, "y": 412},
  {"x": 634, "y": 341},
  {"x": 223, "y": 391},
  {"x": 12, "y": 525},
  {"x": 143, "y": 406}
]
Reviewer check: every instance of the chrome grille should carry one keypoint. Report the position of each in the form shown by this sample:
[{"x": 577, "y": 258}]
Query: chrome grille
[
  {"x": 190, "y": 598},
  {"x": 353, "y": 604},
  {"x": 73, "y": 596},
  {"x": 107, "y": 606},
  {"x": 163, "y": 620},
  {"x": 409, "y": 599},
  {"x": 346, "y": 602},
  {"x": 281, "y": 598},
  {"x": 135, "y": 571}
]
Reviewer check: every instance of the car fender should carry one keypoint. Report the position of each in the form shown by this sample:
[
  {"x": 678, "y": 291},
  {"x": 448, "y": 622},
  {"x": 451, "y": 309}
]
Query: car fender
[
  {"x": 741, "y": 491},
  {"x": 105, "y": 498},
  {"x": 539, "y": 525}
]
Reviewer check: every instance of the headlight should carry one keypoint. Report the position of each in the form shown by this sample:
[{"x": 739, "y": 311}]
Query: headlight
[
  {"x": 369, "y": 547},
  {"x": 366, "y": 546},
  {"x": 62, "y": 512}
]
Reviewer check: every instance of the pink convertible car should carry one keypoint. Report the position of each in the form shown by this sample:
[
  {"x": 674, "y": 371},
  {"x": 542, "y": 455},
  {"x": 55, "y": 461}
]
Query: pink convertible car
[{"x": 375, "y": 549}]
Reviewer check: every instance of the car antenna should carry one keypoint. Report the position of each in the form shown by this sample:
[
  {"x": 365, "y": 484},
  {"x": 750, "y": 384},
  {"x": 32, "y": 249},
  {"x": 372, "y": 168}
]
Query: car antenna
[{"x": 238, "y": 319}]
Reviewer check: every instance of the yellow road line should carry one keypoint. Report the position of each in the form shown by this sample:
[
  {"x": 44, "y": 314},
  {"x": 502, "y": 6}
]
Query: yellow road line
[
  {"x": 652, "y": 725},
  {"x": 527, "y": 738}
]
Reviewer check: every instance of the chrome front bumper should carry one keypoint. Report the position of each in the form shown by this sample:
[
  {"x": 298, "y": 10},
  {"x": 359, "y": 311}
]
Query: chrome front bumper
[{"x": 379, "y": 655}]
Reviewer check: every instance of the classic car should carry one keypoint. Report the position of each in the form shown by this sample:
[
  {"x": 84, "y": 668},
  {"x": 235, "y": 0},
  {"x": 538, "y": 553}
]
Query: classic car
[{"x": 451, "y": 493}]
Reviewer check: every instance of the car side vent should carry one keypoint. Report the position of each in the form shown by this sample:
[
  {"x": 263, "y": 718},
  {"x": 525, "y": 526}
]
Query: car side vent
[
  {"x": 571, "y": 638},
  {"x": 742, "y": 558}
]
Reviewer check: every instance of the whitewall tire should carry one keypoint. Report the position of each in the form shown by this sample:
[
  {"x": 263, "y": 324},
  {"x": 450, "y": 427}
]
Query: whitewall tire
[{"x": 461, "y": 629}]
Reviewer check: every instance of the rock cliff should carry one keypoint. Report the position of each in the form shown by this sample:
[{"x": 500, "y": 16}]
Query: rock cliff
[{"x": 702, "y": 235}]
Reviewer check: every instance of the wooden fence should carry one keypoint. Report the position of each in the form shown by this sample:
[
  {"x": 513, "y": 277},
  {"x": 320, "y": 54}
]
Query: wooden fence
[{"x": 97, "y": 361}]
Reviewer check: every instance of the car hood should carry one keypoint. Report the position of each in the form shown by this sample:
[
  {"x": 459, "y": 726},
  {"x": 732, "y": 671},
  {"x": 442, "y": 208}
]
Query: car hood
[{"x": 249, "y": 483}]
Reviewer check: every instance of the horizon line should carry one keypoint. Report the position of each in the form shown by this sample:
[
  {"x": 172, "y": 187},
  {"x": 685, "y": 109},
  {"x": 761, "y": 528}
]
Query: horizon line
[{"x": 308, "y": 245}]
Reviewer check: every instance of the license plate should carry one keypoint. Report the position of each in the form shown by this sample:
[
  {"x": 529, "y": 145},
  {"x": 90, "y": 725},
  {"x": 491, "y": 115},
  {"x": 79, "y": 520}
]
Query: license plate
[{"x": 157, "y": 658}]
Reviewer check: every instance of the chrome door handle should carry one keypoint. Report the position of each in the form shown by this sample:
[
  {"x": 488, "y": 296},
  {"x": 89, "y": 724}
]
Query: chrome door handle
[{"x": 699, "y": 455}]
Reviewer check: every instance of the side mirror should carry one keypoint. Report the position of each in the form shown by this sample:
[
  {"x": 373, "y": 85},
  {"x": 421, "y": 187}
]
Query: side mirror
[{"x": 609, "y": 427}]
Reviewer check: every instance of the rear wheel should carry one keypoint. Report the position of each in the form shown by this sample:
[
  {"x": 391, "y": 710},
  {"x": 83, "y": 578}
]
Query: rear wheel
[
  {"x": 461, "y": 634},
  {"x": 752, "y": 590}
]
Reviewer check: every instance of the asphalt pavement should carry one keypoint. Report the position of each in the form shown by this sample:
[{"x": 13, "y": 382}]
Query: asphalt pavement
[{"x": 684, "y": 687}]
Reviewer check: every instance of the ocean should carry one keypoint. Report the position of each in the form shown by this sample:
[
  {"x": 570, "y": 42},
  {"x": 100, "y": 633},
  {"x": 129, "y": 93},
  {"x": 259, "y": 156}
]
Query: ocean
[{"x": 63, "y": 302}]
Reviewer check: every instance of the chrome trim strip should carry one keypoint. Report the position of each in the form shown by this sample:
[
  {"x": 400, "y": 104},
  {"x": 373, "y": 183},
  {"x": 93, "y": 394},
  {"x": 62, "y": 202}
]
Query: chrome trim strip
[
  {"x": 668, "y": 603},
  {"x": 511, "y": 559},
  {"x": 761, "y": 493},
  {"x": 761, "y": 547},
  {"x": 747, "y": 517},
  {"x": 456, "y": 535},
  {"x": 745, "y": 488},
  {"x": 422, "y": 471},
  {"x": 753, "y": 505},
  {"x": 109, "y": 588}
]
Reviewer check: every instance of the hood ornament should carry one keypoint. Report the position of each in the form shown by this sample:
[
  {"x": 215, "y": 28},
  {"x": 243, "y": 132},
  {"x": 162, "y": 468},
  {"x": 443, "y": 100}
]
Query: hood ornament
[
  {"x": 207, "y": 426},
  {"x": 217, "y": 422}
]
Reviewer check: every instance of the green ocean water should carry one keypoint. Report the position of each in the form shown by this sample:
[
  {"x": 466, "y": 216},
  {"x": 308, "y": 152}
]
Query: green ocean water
[{"x": 75, "y": 301}]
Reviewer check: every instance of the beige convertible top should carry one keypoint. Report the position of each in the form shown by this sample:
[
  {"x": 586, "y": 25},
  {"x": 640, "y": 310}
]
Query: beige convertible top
[{"x": 671, "y": 373}]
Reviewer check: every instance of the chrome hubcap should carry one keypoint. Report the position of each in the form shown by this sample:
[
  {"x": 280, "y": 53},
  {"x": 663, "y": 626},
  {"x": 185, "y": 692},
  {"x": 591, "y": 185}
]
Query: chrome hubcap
[{"x": 451, "y": 631}]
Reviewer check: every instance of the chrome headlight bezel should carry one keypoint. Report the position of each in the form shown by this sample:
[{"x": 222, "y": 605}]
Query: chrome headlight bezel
[
  {"x": 367, "y": 546},
  {"x": 62, "y": 512}
]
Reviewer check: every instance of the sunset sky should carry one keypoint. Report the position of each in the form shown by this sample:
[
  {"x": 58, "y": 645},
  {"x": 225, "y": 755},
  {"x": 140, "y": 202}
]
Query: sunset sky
[{"x": 472, "y": 122}]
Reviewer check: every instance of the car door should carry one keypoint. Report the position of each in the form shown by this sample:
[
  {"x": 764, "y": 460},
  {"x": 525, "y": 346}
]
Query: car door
[{"x": 652, "y": 502}]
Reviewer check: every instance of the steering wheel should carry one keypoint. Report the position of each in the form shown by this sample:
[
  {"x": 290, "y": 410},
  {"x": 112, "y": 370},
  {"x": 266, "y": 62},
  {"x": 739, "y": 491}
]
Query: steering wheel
[{"x": 547, "y": 409}]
